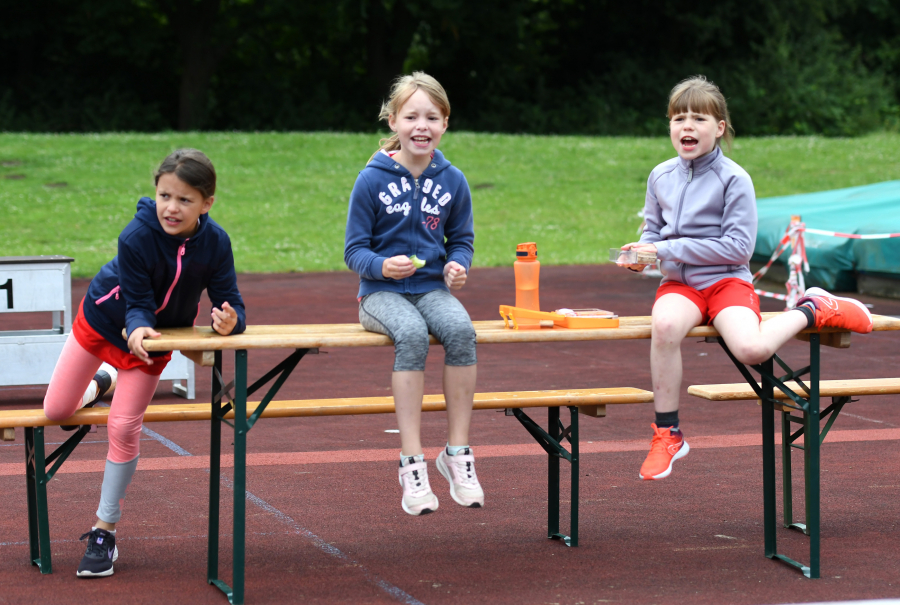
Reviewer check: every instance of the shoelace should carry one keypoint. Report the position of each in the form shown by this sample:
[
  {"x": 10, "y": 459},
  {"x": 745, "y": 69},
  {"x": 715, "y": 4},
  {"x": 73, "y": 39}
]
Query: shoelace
[
  {"x": 464, "y": 470},
  {"x": 825, "y": 314},
  {"x": 418, "y": 485},
  {"x": 658, "y": 442},
  {"x": 93, "y": 548}
]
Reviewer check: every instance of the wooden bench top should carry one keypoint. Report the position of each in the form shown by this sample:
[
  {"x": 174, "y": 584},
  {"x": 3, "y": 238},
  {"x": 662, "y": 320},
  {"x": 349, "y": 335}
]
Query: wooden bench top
[
  {"x": 344, "y": 406},
  {"x": 827, "y": 388},
  {"x": 313, "y": 336}
]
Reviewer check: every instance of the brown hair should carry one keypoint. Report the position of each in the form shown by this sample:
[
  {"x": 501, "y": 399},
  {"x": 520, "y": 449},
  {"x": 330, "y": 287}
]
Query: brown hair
[
  {"x": 191, "y": 166},
  {"x": 702, "y": 96},
  {"x": 404, "y": 87}
]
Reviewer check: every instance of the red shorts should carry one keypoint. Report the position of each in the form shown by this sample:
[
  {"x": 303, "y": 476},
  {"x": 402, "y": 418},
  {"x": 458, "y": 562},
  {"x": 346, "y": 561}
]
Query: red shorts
[
  {"x": 96, "y": 345},
  {"x": 730, "y": 292}
]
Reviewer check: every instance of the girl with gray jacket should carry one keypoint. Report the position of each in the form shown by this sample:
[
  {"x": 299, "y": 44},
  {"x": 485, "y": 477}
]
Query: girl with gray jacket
[{"x": 700, "y": 213}]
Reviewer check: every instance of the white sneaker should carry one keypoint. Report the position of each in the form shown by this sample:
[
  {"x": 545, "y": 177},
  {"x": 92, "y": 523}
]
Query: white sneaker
[
  {"x": 103, "y": 382},
  {"x": 418, "y": 499},
  {"x": 459, "y": 470}
]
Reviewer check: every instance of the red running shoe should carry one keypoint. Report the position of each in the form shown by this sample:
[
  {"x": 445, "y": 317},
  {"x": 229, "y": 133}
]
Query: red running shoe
[
  {"x": 665, "y": 448},
  {"x": 836, "y": 312}
]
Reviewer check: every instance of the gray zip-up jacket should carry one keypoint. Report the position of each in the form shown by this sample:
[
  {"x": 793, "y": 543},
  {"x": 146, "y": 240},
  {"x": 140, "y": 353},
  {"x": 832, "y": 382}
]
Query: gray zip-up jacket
[{"x": 701, "y": 215}]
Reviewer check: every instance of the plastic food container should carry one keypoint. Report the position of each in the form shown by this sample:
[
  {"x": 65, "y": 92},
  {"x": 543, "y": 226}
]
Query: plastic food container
[
  {"x": 563, "y": 318},
  {"x": 631, "y": 257}
]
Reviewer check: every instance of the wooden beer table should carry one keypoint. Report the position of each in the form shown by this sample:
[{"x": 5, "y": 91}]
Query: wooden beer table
[{"x": 205, "y": 347}]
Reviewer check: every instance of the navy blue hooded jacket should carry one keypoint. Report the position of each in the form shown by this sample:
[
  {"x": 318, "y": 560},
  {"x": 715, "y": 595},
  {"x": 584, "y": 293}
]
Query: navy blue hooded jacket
[
  {"x": 156, "y": 279},
  {"x": 391, "y": 213}
]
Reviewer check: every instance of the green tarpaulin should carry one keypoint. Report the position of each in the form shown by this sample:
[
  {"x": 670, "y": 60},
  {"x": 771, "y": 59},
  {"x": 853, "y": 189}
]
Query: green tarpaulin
[{"x": 835, "y": 262}]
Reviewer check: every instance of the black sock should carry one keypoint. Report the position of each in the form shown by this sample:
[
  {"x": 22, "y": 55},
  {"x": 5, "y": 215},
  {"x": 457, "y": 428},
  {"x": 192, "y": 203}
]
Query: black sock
[
  {"x": 667, "y": 420},
  {"x": 809, "y": 310}
]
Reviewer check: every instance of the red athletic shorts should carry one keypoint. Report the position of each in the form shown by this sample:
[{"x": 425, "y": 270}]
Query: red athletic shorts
[
  {"x": 96, "y": 345},
  {"x": 730, "y": 292}
]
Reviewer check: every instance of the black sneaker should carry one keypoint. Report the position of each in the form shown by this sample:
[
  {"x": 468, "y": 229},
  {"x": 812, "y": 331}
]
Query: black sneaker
[
  {"x": 100, "y": 554},
  {"x": 104, "y": 383}
]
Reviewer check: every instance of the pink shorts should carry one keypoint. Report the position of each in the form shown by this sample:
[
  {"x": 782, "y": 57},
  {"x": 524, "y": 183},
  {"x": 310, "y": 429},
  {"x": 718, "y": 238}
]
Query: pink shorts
[{"x": 730, "y": 292}]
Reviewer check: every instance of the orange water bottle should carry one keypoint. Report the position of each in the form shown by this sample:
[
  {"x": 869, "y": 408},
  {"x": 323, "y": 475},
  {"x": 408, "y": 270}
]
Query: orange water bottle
[{"x": 528, "y": 271}]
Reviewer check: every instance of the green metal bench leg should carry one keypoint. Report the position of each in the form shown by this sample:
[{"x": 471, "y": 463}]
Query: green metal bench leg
[
  {"x": 768, "y": 459},
  {"x": 573, "y": 520},
  {"x": 551, "y": 442},
  {"x": 241, "y": 425},
  {"x": 811, "y": 447},
  {"x": 38, "y": 518},
  {"x": 787, "y": 495},
  {"x": 240, "y": 473},
  {"x": 553, "y": 478},
  {"x": 235, "y": 592},
  {"x": 215, "y": 482}
]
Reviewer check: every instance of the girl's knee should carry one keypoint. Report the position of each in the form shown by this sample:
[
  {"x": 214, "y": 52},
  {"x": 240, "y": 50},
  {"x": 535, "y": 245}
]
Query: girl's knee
[
  {"x": 124, "y": 438},
  {"x": 411, "y": 337},
  {"x": 668, "y": 329},
  {"x": 459, "y": 346},
  {"x": 749, "y": 353},
  {"x": 60, "y": 408},
  {"x": 410, "y": 348},
  {"x": 58, "y": 412}
]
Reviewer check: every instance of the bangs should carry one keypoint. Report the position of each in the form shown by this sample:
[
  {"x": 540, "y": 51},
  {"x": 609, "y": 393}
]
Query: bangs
[{"x": 696, "y": 100}]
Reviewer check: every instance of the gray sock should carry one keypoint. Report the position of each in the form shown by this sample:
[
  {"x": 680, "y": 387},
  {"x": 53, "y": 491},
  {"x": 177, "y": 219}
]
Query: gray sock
[{"x": 116, "y": 478}]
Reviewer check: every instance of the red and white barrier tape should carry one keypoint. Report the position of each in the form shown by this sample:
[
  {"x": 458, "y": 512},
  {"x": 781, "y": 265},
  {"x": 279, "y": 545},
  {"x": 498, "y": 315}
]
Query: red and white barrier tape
[
  {"x": 852, "y": 235},
  {"x": 797, "y": 263}
]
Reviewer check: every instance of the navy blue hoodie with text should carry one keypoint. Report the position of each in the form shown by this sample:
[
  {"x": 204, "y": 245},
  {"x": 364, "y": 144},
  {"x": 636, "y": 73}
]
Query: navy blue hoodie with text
[
  {"x": 156, "y": 279},
  {"x": 391, "y": 213}
]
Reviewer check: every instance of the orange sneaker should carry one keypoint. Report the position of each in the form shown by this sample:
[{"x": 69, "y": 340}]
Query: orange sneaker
[
  {"x": 836, "y": 312},
  {"x": 665, "y": 448}
]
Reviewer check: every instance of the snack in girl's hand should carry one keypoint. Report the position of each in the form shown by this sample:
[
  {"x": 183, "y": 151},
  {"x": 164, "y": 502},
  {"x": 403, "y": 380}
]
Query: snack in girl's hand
[
  {"x": 631, "y": 257},
  {"x": 417, "y": 262}
]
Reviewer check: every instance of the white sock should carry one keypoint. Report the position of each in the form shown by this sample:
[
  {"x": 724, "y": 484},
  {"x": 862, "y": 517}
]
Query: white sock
[
  {"x": 453, "y": 450},
  {"x": 404, "y": 459},
  {"x": 90, "y": 394},
  {"x": 112, "y": 531}
]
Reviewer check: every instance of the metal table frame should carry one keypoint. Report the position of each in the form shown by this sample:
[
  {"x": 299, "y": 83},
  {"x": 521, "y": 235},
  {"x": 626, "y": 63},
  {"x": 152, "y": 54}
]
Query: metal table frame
[
  {"x": 223, "y": 402},
  {"x": 809, "y": 418}
]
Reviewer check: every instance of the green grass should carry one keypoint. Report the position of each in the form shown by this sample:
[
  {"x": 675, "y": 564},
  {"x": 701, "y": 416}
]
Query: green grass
[{"x": 283, "y": 196}]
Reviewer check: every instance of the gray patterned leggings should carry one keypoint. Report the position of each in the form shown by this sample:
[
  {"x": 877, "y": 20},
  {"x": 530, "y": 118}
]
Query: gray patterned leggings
[{"x": 408, "y": 319}]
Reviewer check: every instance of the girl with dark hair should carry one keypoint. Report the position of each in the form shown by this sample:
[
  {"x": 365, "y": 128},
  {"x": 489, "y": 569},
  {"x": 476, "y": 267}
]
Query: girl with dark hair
[{"x": 168, "y": 254}]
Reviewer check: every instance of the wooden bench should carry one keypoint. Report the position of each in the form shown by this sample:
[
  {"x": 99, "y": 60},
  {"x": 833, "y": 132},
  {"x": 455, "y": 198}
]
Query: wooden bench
[
  {"x": 827, "y": 388},
  {"x": 796, "y": 397},
  {"x": 591, "y": 402}
]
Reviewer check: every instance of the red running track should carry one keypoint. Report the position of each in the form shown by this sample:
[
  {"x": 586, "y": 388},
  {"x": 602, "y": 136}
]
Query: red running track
[{"x": 324, "y": 521}]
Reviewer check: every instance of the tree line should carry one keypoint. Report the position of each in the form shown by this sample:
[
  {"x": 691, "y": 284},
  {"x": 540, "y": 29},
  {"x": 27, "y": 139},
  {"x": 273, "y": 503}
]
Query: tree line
[{"x": 532, "y": 66}]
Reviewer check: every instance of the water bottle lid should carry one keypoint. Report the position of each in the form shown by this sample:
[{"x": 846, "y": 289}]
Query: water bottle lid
[{"x": 526, "y": 252}]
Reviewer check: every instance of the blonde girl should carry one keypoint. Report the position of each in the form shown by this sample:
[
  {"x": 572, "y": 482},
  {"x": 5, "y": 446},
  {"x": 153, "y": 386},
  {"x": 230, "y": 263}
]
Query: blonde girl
[{"x": 410, "y": 239}]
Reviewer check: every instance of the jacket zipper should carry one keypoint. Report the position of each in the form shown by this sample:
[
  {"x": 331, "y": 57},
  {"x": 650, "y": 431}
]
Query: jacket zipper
[
  {"x": 412, "y": 228},
  {"x": 114, "y": 291},
  {"x": 178, "y": 256},
  {"x": 680, "y": 206}
]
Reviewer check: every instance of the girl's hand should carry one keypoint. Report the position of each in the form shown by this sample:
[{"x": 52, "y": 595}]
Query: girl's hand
[
  {"x": 135, "y": 343},
  {"x": 398, "y": 267},
  {"x": 454, "y": 275},
  {"x": 224, "y": 320},
  {"x": 640, "y": 248}
]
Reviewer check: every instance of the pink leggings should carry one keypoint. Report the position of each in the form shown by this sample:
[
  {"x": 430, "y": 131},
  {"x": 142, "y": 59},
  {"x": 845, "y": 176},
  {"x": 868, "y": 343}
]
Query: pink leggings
[{"x": 134, "y": 390}]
